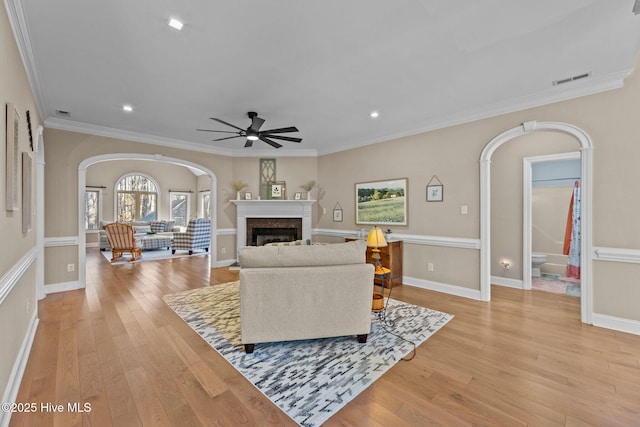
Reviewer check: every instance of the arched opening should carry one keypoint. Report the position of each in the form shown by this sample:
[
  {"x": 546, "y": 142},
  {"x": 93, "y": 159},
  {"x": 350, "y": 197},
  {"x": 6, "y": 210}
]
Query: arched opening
[
  {"x": 82, "y": 172},
  {"x": 485, "y": 206}
]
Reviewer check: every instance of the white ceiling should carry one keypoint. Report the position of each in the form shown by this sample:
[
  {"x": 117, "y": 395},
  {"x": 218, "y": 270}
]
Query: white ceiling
[{"x": 320, "y": 66}]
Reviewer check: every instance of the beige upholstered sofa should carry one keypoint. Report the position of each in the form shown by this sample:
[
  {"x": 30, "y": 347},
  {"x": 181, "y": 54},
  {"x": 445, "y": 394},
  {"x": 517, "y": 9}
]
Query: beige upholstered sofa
[{"x": 304, "y": 292}]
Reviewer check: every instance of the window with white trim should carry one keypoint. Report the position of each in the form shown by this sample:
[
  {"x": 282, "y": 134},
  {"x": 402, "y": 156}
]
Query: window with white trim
[
  {"x": 93, "y": 208},
  {"x": 136, "y": 198},
  {"x": 205, "y": 203},
  {"x": 180, "y": 206}
]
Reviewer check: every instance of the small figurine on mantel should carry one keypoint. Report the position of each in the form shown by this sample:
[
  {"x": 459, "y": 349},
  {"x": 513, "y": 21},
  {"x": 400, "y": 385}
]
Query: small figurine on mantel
[{"x": 308, "y": 187}]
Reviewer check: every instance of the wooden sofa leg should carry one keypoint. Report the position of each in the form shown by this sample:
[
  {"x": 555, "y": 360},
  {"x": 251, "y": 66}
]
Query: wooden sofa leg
[
  {"x": 248, "y": 348},
  {"x": 362, "y": 338}
]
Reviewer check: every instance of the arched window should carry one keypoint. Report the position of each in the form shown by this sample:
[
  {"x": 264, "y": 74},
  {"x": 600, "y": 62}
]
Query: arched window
[{"x": 136, "y": 198}]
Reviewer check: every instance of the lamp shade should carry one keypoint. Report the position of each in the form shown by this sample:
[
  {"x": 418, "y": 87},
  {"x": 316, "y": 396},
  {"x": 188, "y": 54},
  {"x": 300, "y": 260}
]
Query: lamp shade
[{"x": 376, "y": 238}]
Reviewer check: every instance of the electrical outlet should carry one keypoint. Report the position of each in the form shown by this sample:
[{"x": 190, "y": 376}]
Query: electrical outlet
[
  {"x": 429, "y": 266},
  {"x": 464, "y": 209},
  {"x": 223, "y": 251},
  {"x": 71, "y": 267},
  {"x": 324, "y": 211}
]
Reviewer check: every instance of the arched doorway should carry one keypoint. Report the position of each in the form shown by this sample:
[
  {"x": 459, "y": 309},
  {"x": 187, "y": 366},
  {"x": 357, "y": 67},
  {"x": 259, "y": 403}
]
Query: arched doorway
[
  {"x": 485, "y": 206},
  {"x": 82, "y": 180}
]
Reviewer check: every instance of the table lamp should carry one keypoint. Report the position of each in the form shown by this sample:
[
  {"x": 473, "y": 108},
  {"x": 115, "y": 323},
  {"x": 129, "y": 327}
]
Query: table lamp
[{"x": 376, "y": 240}]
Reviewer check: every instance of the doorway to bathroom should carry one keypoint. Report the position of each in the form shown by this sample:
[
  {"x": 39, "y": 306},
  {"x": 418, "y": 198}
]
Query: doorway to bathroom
[{"x": 551, "y": 223}]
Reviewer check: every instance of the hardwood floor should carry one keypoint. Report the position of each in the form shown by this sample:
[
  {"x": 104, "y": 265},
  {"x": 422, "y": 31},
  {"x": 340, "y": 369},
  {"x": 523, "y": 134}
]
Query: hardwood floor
[{"x": 522, "y": 359}]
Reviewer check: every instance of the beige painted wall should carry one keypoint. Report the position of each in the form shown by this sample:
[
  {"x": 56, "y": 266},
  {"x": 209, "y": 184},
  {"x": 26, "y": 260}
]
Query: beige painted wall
[
  {"x": 168, "y": 176},
  {"x": 507, "y": 197},
  {"x": 453, "y": 154},
  {"x": 17, "y": 309},
  {"x": 549, "y": 208},
  {"x": 65, "y": 151}
]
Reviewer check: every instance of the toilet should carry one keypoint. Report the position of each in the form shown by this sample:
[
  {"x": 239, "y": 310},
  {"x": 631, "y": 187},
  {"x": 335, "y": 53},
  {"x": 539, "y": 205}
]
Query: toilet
[{"x": 536, "y": 261}]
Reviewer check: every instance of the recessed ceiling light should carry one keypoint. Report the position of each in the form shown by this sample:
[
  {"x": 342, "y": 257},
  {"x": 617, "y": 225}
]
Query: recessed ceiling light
[
  {"x": 127, "y": 108},
  {"x": 374, "y": 114},
  {"x": 174, "y": 23}
]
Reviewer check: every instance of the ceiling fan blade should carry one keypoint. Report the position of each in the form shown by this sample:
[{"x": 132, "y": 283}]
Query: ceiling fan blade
[
  {"x": 270, "y": 142},
  {"x": 256, "y": 123},
  {"x": 229, "y": 137},
  {"x": 210, "y": 130},
  {"x": 284, "y": 138},
  {"x": 248, "y": 144},
  {"x": 225, "y": 123},
  {"x": 281, "y": 130}
]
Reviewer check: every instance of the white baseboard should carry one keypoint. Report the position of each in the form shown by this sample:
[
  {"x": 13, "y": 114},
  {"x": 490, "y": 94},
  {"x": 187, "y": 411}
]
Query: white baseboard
[
  {"x": 13, "y": 385},
  {"x": 225, "y": 263},
  {"x": 616, "y": 323},
  {"x": 62, "y": 287},
  {"x": 443, "y": 287},
  {"x": 505, "y": 281}
]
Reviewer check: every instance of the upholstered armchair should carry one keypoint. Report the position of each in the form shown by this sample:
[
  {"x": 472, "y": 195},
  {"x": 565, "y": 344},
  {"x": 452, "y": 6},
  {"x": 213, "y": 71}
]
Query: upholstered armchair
[{"x": 197, "y": 236}]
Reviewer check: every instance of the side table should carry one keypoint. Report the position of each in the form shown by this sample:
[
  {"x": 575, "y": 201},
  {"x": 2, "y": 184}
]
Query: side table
[{"x": 381, "y": 276}]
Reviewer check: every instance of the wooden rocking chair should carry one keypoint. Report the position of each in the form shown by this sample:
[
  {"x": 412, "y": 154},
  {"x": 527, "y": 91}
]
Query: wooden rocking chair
[{"x": 122, "y": 239}]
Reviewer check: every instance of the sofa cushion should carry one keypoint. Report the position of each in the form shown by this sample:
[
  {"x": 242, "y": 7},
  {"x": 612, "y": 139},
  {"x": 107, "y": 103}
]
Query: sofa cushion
[
  {"x": 303, "y": 255},
  {"x": 142, "y": 229}
]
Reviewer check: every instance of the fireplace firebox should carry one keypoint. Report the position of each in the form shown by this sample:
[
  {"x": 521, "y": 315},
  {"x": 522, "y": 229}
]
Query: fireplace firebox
[{"x": 261, "y": 231}]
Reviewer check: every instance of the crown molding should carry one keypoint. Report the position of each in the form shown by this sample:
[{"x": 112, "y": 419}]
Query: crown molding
[
  {"x": 21, "y": 34},
  {"x": 73, "y": 126},
  {"x": 590, "y": 86}
]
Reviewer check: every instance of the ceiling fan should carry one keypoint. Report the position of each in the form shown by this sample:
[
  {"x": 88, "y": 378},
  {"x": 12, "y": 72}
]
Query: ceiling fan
[{"x": 253, "y": 132}]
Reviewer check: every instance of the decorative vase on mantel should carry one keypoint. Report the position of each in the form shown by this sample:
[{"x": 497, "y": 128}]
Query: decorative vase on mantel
[
  {"x": 308, "y": 195},
  {"x": 238, "y": 195}
]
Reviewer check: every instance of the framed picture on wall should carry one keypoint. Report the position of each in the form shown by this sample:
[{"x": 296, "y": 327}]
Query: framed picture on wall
[
  {"x": 11, "y": 190},
  {"x": 434, "y": 193},
  {"x": 278, "y": 190},
  {"x": 382, "y": 202}
]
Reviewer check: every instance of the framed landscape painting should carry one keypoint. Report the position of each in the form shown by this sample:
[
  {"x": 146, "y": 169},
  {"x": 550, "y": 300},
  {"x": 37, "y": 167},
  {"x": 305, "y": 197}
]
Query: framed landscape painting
[{"x": 382, "y": 202}]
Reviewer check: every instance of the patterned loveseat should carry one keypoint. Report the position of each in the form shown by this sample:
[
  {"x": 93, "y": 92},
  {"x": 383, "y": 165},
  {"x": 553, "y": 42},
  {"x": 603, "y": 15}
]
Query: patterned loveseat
[
  {"x": 197, "y": 236},
  {"x": 142, "y": 228}
]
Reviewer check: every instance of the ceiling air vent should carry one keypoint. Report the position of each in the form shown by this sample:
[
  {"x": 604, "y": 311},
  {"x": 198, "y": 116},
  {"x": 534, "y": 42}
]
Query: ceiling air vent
[
  {"x": 571, "y": 79},
  {"x": 63, "y": 113}
]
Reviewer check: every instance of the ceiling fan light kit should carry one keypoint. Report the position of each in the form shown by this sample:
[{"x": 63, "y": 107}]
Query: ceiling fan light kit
[{"x": 253, "y": 132}]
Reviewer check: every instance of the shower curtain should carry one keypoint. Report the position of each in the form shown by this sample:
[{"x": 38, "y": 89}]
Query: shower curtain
[{"x": 572, "y": 234}]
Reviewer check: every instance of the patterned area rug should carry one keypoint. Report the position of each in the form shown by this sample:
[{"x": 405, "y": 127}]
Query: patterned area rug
[
  {"x": 309, "y": 380},
  {"x": 150, "y": 255}
]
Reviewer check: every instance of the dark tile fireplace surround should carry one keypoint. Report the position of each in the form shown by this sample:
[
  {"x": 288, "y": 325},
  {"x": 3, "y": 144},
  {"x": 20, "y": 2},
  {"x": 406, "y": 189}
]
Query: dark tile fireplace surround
[{"x": 261, "y": 231}]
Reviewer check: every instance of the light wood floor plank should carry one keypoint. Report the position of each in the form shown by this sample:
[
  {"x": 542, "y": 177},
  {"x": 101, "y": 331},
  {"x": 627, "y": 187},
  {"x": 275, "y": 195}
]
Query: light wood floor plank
[{"x": 522, "y": 359}]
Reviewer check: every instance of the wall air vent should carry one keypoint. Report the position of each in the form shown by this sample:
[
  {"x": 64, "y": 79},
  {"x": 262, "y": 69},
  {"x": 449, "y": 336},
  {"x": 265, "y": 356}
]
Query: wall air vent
[
  {"x": 571, "y": 79},
  {"x": 63, "y": 113}
]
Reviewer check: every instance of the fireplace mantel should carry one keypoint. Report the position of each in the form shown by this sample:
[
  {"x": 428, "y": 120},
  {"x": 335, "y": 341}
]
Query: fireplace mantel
[{"x": 271, "y": 209}]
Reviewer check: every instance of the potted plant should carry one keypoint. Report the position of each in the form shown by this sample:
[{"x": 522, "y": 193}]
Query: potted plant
[
  {"x": 238, "y": 186},
  {"x": 308, "y": 187}
]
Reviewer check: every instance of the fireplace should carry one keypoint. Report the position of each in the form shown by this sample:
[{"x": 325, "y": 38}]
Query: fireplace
[
  {"x": 270, "y": 211},
  {"x": 261, "y": 231}
]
